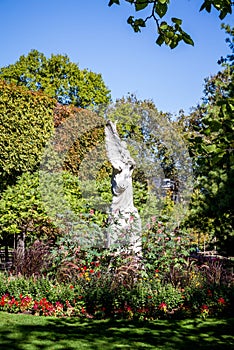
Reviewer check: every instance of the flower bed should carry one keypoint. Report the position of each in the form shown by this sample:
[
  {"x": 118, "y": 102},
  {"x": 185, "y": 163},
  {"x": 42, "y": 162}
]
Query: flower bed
[{"x": 145, "y": 300}]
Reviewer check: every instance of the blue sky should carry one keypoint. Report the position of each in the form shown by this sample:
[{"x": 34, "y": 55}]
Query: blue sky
[{"x": 97, "y": 37}]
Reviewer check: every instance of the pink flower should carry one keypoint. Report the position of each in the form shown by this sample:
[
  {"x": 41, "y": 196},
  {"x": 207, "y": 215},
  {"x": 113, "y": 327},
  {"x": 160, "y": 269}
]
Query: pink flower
[
  {"x": 91, "y": 212},
  {"x": 58, "y": 305},
  {"x": 148, "y": 226},
  {"x": 153, "y": 218}
]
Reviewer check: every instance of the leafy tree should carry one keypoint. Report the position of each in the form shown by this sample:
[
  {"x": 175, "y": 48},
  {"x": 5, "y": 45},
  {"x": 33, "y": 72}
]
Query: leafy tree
[
  {"x": 59, "y": 78},
  {"x": 26, "y": 123},
  {"x": 211, "y": 145},
  {"x": 169, "y": 33},
  {"x": 21, "y": 209},
  {"x": 80, "y": 131}
]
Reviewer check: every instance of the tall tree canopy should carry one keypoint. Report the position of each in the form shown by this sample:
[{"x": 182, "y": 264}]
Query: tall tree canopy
[
  {"x": 169, "y": 33},
  {"x": 211, "y": 145},
  {"x": 59, "y": 78}
]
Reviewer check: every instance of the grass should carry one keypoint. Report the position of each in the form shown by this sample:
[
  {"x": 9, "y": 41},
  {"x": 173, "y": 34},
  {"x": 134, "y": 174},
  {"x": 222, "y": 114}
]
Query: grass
[{"x": 26, "y": 332}]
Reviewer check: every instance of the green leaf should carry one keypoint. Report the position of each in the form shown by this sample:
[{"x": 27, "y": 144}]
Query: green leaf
[
  {"x": 163, "y": 26},
  {"x": 223, "y": 14},
  {"x": 161, "y": 9},
  {"x": 176, "y": 20},
  {"x": 140, "y": 22},
  {"x": 130, "y": 20},
  {"x": 140, "y": 5},
  {"x": 187, "y": 39},
  {"x": 173, "y": 44},
  {"x": 206, "y": 5},
  {"x": 160, "y": 40},
  {"x": 210, "y": 148},
  {"x": 111, "y": 2},
  {"x": 170, "y": 34}
]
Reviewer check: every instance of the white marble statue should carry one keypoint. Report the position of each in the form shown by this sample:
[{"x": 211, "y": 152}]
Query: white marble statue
[{"x": 124, "y": 221}]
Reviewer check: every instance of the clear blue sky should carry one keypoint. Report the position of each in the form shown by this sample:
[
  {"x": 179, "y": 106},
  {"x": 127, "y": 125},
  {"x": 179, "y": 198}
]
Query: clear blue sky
[{"x": 97, "y": 37}]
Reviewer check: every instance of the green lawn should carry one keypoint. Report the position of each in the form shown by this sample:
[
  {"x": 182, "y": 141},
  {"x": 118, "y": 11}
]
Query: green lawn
[{"x": 26, "y": 332}]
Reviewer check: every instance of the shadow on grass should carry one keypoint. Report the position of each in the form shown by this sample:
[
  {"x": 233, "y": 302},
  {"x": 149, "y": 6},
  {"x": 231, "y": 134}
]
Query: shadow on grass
[{"x": 24, "y": 332}]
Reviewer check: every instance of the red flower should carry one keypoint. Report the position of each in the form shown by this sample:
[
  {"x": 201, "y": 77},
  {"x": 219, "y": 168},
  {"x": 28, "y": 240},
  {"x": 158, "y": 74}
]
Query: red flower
[
  {"x": 221, "y": 301},
  {"x": 209, "y": 293},
  {"x": 71, "y": 287},
  {"x": 162, "y": 306},
  {"x": 204, "y": 307}
]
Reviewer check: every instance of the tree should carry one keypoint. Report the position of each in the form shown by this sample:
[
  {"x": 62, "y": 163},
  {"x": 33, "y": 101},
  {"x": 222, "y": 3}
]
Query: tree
[
  {"x": 211, "y": 145},
  {"x": 59, "y": 78},
  {"x": 26, "y": 123},
  {"x": 170, "y": 34},
  {"x": 22, "y": 212}
]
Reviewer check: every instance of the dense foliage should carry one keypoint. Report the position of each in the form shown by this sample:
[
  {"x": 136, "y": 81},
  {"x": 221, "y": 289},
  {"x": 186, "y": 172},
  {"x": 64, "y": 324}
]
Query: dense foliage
[
  {"x": 26, "y": 123},
  {"x": 211, "y": 146},
  {"x": 59, "y": 78}
]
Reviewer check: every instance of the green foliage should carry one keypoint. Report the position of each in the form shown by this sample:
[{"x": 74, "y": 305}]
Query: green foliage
[
  {"x": 166, "y": 252},
  {"x": 211, "y": 145},
  {"x": 170, "y": 34},
  {"x": 21, "y": 210},
  {"x": 26, "y": 123},
  {"x": 79, "y": 134},
  {"x": 59, "y": 78}
]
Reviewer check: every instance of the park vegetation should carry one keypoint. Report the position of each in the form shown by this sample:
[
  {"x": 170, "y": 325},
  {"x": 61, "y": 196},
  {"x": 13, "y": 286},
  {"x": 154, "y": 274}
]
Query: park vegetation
[{"x": 53, "y": 170}]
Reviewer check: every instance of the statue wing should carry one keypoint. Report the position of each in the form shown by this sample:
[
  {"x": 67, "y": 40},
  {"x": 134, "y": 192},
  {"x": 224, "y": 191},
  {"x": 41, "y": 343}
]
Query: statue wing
[{"x": 117, "y": 151}]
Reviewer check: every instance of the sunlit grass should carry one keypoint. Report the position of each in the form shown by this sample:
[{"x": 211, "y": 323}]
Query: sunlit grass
[{"x": 26, "y": 332}]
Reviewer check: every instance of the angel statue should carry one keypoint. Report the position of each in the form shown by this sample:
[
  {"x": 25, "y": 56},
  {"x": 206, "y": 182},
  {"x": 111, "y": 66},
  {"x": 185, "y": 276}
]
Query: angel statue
[{"x": 124, "y": 221}]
